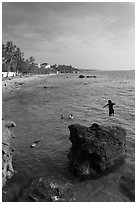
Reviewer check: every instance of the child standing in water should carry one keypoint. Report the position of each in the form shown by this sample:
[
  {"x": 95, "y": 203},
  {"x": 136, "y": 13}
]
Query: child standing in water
[{"x": 110, "y": 105}]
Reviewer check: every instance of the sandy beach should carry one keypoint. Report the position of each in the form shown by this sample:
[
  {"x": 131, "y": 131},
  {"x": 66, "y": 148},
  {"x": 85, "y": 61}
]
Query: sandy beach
[{"x": 12, "y": 84}]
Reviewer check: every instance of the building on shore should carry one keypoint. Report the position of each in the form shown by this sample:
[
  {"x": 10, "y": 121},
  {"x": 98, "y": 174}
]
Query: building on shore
[
  {"x": 45, "y": 65},
  {"x": 9, "y": 74}
]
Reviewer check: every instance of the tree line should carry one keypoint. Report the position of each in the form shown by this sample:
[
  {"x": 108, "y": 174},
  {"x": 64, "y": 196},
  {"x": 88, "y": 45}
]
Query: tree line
[{"x": 13, "y": 61}]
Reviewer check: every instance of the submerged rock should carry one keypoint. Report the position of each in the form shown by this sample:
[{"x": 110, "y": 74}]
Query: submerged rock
[
  {"x": 48, "y": 190},
  {"x": 95, "y": 149},
  {"x": 81, "y": 76},
  {"x": 91, "y": 76},
  {"x": 7, "y": 150},
  {"x": 46, "y": 87}
]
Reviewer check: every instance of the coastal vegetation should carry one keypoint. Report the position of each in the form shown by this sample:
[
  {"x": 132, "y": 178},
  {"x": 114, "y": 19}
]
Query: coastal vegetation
[{"x": 13, "y": 61}]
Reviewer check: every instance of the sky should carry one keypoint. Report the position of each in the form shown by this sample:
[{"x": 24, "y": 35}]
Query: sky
[{"x": 87, "y": 35}]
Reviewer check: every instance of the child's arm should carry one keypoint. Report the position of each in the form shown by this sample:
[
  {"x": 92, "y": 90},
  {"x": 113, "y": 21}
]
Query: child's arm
[{"x": 105, "y": 106}]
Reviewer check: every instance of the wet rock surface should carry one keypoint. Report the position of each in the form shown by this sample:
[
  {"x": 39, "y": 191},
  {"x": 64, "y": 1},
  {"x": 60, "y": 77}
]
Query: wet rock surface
[
  {"x": 96, "y": 150},
  {"x": 48, "y": 190},
  {"x": 7, "y": 150}
]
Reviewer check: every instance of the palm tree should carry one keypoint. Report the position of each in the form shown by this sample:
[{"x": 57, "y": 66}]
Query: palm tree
[
  {"x": 18, "y": 57},
  {"x": 8, "y": 53},
  {"x": 32, "y": 60},
  {"x": 11, "y": 56}
]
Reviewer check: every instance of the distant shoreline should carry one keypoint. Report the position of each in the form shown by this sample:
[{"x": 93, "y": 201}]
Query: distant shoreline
[
  {"x": 107, "y": 70},
  {"x": 11, "y": 84}
]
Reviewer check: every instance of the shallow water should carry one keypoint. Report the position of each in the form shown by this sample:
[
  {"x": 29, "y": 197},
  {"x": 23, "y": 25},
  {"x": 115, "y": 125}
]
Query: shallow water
[{"x": 36, "y": 112}]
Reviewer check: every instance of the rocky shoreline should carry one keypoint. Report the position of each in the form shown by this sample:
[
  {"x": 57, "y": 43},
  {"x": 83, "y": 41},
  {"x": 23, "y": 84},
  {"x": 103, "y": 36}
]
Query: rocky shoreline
[
  {"x": 7, "y": 150},
  {"x": 9, "y": 86}
]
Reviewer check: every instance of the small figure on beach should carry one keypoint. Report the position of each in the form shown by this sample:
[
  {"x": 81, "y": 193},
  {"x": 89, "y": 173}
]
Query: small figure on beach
[
  {"x": 71, "y": 116},
  {"x": 35, "y": 142},
  {"x": 67, "y": 117},
  {"x": 9, "y": 124},
  {"x": 61, "y": 116},
  {"x": 111, "y": 109}
]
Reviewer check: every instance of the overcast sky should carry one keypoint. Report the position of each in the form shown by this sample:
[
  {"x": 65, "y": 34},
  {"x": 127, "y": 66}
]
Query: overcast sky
[{"x": 85, "y": 35}]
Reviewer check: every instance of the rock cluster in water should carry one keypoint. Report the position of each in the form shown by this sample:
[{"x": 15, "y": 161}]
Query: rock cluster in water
[
  {"x": 7, "y": 150},
  {"x": 95, "y": 149},
  {"x": 89, "y": 76},
  {"x": 48, "y": 190},
  {"x": 23, "y": 188}
]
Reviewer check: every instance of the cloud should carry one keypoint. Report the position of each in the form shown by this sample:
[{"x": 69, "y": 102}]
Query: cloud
[{"x": 56, "y": 29}]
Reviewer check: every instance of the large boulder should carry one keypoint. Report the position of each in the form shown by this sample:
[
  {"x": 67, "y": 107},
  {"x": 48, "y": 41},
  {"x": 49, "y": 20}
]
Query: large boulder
[
  {"x": 48, "y": 190},
  {"x": 7, "y": 150},
  {"x": 95, "y": 149}
]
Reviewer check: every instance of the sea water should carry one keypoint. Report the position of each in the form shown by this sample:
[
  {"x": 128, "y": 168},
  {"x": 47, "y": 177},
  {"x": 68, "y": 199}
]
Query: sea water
[{"x": 37, "y": 113}]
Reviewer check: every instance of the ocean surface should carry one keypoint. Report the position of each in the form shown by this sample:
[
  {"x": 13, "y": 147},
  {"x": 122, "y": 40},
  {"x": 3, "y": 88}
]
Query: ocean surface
[{"x": 37, "y": 110}]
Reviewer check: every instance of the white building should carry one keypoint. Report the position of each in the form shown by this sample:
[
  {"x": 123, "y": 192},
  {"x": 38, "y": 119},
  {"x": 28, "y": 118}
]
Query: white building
[
  {"x": 45, "y": 65},
  {"x": 39, "y": 65},
  {"x": 10, "y": 74}
]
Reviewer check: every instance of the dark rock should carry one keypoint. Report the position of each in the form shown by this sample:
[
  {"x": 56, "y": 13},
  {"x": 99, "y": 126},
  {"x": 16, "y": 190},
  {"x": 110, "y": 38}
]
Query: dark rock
[
  {"x": 91, "y": 76},
  {"x": 9, "y": 124},
  {"x": 95, "y": 149},
  {"x": 20, "y": 83},
  {"x": 45, "y": 87},
  {"x": 48, "y": 190},
  {"x": 81, "y": 76},
  {"x": 127, "y": 186}
]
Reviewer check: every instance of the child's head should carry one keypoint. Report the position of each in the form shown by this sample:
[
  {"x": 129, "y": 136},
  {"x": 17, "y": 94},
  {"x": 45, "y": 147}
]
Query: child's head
[{"x": 109, "y": 101}]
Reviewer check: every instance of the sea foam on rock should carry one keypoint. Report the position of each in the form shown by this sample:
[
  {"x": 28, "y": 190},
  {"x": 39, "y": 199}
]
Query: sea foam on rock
[
  {"x": 95, "y": 149},
  {"x": 7, "y": 150}
]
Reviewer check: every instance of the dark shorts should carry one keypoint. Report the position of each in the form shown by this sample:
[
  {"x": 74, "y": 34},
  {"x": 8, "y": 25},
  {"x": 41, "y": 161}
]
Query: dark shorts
[{"x": 111, "y": 111}]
